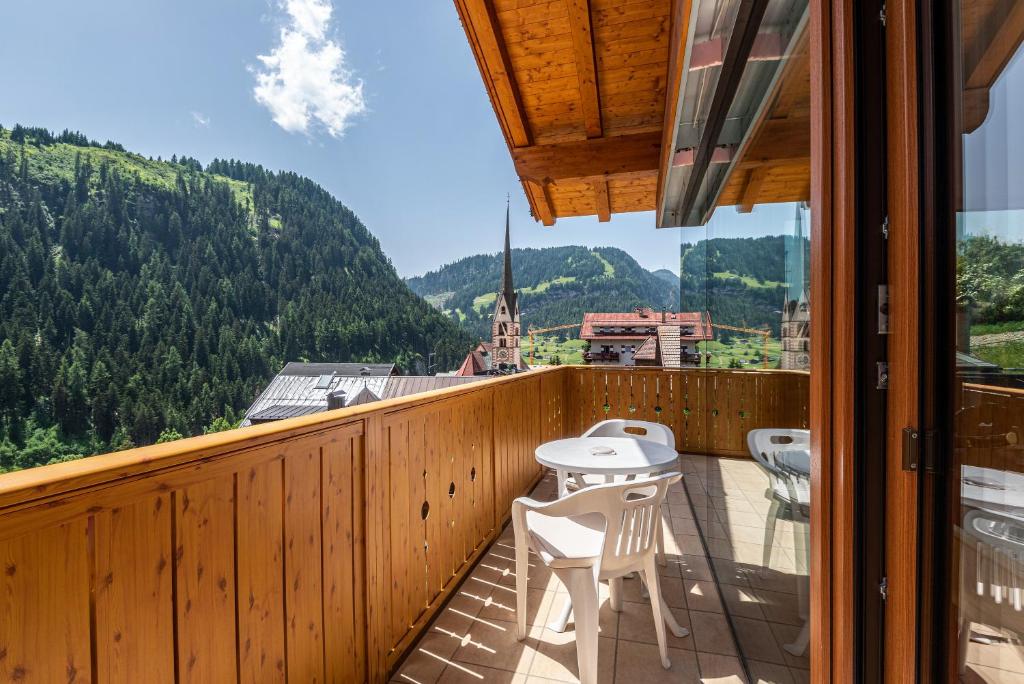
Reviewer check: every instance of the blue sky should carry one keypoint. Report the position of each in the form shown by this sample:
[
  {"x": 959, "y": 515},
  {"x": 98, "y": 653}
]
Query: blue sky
[{"x": 406, "y": 137}]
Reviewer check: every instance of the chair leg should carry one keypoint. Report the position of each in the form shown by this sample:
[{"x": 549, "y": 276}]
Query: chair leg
[
  {"x": 562, "y": 619},
  {"x": 670, "y": 618},
  {"x": 769, "y": 533},
  {"x": 662, "y": 560},
  {"x": 651, "y": 576},
  {"x": 615, "y": 594},
  {"x": 522, "y": 568},
  {"x": 582, "y": 586},
  {"x": 799, "y": 645}
]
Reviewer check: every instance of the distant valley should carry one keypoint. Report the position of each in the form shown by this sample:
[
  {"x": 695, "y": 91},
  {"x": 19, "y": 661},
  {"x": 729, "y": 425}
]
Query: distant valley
[{"x": 556, "y": 284}]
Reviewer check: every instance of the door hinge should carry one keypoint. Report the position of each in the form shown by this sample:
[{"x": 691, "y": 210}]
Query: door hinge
[
  {"x": 883, "y": 588},
  {"x": 885, "y": 221},
  {"x": 883, "y": 375},
  {"x": 883, "y": 309},
  {"x": 881, "y": 14},
  {"x": 911, "y": 448},
  {"x": 920, "y": 449}
]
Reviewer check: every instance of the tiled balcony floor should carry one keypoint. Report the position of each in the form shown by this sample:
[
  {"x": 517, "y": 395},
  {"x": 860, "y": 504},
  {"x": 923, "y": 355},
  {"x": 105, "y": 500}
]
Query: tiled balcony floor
[{"x": 473, "y": 639}]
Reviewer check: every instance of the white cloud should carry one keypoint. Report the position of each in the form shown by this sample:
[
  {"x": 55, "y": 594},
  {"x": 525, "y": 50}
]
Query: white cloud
[
  {"x": 304, "y": 81},
  {"x": 200, "y": 119}
]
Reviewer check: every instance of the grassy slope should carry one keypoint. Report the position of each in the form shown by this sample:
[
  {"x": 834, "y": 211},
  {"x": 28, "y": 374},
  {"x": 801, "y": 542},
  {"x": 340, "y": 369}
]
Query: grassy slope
[{"x": 55, "y": 163}]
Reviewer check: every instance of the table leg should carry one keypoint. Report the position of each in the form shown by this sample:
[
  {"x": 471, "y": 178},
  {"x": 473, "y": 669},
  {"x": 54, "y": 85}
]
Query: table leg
[{"x": 563, "y": 478}]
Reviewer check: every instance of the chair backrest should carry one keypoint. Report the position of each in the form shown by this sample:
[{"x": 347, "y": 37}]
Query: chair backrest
[
  {"x": 632, "y": 513},
  {"x": 638, "y": 429},
  {"x": 764, "y": 443}
]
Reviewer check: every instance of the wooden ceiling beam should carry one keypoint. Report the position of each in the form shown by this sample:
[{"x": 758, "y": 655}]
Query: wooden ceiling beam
[
  {"x": 583, "y": 159},
  {"x": 482, "y": 28},
  {"x": 540, "y": 201},
  {"x": 604, "y": 207},
  {"x": 586, "y": 70},
  {"x": 752, "y": 189}
]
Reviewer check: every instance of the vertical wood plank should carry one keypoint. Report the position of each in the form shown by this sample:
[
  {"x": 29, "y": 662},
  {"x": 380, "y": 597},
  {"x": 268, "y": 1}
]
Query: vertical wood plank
[
  {"x": 303, "y": 581},
  {"x": 44, "y": 606},
  {"x": 204, "y": 568},
  {"x": 261, "y": 631},
  {"x": 134, "y": 606},
  {"x": 343, "y": 621}
]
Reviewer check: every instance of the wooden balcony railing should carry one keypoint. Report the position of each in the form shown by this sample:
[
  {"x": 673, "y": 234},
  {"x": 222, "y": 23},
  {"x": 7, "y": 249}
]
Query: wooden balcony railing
[{"x": 317, "y": 548}]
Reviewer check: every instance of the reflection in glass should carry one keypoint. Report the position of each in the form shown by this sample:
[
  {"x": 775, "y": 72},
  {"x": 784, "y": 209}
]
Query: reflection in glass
[
  {"x": 751, "y": 273},
  {"x": 988, "y": 510}
]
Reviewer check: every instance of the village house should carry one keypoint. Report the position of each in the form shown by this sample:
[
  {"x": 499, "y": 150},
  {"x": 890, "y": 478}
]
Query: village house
[{"x": 645, "y": 337}]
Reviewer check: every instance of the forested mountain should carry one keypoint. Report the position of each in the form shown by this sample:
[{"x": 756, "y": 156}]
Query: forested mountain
[
  {"x": 556, "y": 284},
  {"x": 143, "y": 299},
  {"x": 742, "y": 281}
]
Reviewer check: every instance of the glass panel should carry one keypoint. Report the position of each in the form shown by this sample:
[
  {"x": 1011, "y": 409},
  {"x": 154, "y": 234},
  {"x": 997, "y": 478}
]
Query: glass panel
[
  {"x": 988, "y": 511},
  {"x": 751, "y": 273}
]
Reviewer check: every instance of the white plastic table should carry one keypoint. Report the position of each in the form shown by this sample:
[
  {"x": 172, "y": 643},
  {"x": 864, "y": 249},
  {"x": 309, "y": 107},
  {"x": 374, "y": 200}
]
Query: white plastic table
[
  {"x": 629, "y": 457},
  {"x": 575, "y": 457}
]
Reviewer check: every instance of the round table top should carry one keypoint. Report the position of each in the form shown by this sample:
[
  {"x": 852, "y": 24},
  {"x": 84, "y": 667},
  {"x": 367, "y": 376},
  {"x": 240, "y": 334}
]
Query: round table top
[{"x": 631, "y": 456}]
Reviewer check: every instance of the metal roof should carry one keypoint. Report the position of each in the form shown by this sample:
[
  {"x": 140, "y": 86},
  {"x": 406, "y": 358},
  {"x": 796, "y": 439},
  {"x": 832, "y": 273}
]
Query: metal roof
[
  {"x": 402, "y": 385},
  {"x": 298, "y": 369}
]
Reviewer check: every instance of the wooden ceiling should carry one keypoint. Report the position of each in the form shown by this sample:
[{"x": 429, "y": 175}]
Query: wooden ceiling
[
  {"x": 579, "y": 90},
  {"x": 991, "y": 31},
  {"x": 776, "y": 165}
]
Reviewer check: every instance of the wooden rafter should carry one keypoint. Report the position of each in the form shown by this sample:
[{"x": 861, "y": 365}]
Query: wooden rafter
[
  {"x": 586, "y": 71},
  {"x": 624, "y": 154},
  {"x": 752, "y": 189},
  {"x": 604, "y": 207},
  {"x": 489, "y": 48},
  {"x": 540, "y": 201}
]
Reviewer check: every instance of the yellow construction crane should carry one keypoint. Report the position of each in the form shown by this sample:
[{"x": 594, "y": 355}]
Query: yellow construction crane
[
  {"x": 536, "y": 331},
  {"x": 765, "y": 334}
]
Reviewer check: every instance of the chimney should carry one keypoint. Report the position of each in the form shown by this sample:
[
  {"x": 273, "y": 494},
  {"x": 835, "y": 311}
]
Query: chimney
[
  {"x": 336, "y": 400},
  {"x": 663, "y": 315}
]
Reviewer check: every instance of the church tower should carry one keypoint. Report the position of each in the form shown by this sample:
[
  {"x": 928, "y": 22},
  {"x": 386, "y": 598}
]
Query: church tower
[
  {"x": 505, "y": 335},
  {"x": 796, "y": 310}
]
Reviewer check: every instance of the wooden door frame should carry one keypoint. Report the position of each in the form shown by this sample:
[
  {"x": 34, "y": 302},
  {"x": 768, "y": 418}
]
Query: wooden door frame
[
  {"x": 902, "y": 622},
  {"x": 833, "y": 582}
]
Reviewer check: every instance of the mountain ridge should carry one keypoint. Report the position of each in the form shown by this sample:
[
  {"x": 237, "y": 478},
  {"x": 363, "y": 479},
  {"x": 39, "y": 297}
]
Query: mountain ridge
[
  {"x": 556, "y": 285},
  {"x": 147, "y": 299}
]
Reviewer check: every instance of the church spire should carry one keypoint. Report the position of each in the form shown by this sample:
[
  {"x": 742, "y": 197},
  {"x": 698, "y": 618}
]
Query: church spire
[{"x": 507, "y": 288}]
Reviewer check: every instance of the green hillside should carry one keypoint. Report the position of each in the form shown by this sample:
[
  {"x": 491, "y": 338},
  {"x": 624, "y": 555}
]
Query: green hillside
[
  {"x": 146, "y": 299},
  {"x": 556, "y": 285}
]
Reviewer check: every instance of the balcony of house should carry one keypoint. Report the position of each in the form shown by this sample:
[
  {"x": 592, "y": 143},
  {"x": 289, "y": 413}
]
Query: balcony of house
[{"x": 372, "y": 542}]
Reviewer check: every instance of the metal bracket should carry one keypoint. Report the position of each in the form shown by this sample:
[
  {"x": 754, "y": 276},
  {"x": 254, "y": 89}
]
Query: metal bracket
[
  {"x": 911, "y": 448},
  {"x": 883, "y": 588},
  {"x": 881, "y": 15},
  {"x": 885, "y": 221},
  {"x": 883, "y": 375}
]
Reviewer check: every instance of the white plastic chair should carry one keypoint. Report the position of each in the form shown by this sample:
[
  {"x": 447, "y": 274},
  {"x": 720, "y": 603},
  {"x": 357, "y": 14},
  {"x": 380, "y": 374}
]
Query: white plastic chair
[
  {"x": 599, "y": 533},
  {"x": 637, "y": 429},
  {"x": 789, "y": 493}
]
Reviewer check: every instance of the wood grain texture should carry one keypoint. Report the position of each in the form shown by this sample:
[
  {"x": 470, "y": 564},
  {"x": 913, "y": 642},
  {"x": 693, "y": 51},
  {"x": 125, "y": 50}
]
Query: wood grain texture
[
  {"x": 586, "y": 73},
  {"x": 260, "y": 558},
  {"x": 901, "y": 520},
  {"x": 132, "y": 592},
  {"x": 44, "y": 606},
  {"x": 303, "y": 582},
  {"x": 205, "y": 586}
]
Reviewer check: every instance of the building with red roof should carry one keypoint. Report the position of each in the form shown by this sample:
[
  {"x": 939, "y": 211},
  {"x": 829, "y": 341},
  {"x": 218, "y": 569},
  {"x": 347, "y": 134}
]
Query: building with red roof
[{"x": 645, "y": 337}]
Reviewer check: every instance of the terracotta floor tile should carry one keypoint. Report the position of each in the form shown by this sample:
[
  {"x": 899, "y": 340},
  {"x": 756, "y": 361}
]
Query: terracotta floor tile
[
  {"x": 702, "y": 595},
  {"x": 769, "y": 673},
  {"x": 742, "y": 601},
  {"x": 463, "y": 673},
  {"x": 758, "y": 640},
  {"x": 636, "y": 623},
  {"x": 637, "y": 663},
  {"x": 785, "y": 634},
  {"x": 493, "y": 644},
  {"x": 711, "y": 633},
  {"x": 558, "y": 660},
  {"x": 720, "y": 669}
]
